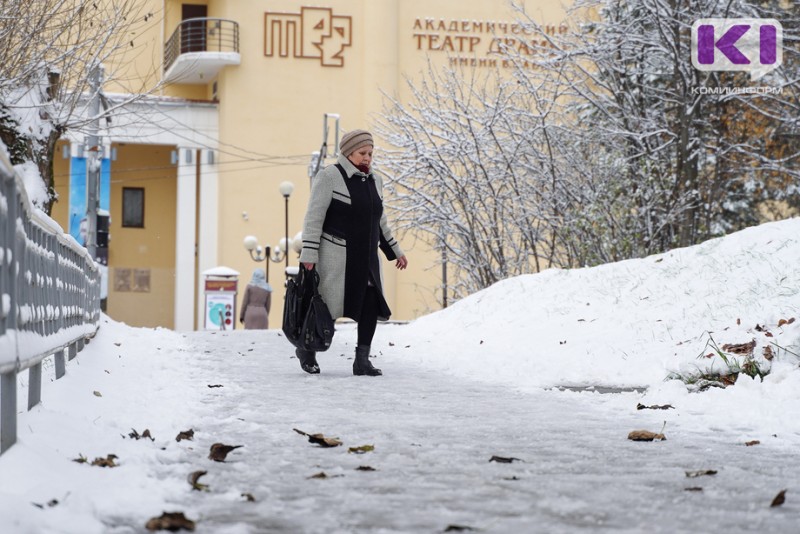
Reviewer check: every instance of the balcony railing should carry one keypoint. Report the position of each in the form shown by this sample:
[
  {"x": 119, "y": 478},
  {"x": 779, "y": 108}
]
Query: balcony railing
[{"x": 201, "y": 35}]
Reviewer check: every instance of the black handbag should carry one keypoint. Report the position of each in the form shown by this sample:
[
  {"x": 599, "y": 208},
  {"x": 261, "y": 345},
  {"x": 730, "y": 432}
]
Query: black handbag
[
  {"x": 317, "y": 331},
  {"x": 307, "y": 322}
]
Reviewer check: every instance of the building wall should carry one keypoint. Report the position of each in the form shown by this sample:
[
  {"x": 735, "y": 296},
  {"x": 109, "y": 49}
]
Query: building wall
[{"x": 148, "y": 251}]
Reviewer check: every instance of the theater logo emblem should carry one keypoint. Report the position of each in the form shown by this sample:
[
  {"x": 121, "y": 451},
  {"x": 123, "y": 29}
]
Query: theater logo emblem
[{"x": 314, "y": 33}]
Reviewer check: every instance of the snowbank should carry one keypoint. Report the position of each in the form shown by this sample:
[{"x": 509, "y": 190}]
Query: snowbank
[{"x": 630, "y": 323}]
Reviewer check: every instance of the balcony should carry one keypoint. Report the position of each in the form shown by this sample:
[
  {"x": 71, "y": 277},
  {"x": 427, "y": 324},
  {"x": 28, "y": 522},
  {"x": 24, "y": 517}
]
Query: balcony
[{"x": 199, "y": 48}]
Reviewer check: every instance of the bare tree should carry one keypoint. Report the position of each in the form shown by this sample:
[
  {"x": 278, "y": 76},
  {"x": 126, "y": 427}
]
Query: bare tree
[
  {"x": 692, "y": 161},
  {"x": 49, "y": 48}
]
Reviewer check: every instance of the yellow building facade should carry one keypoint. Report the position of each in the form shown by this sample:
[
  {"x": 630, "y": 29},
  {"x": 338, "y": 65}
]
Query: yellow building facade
[{"x": 241, "y": 92}]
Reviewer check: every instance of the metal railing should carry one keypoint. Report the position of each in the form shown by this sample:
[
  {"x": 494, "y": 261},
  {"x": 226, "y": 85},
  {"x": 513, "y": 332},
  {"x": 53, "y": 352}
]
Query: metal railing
[
  {"x": 49, "y": 297},
  {"x": 201, "y": 35}
]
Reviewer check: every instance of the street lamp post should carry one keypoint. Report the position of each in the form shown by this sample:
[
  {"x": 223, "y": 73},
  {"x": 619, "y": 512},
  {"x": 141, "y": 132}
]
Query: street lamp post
[
  {"x": 281, "y": 252},
  {"x": 286, "y": 189}
]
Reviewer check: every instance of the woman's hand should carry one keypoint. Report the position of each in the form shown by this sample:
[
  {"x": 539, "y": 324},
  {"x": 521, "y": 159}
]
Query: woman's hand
[
  {"x": 308, "y": 266},
  {"x": 401, "y": 263}
]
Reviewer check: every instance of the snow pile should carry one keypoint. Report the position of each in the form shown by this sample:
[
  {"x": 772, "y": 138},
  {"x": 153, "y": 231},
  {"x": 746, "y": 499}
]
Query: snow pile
[
  {"x": 631, "y": 323},
  {"x": 34, "y": 185}
]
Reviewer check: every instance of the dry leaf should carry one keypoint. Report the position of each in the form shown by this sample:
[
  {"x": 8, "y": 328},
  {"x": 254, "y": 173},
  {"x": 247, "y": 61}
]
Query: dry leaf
[
  {"x": 779, "y": 499},
  {"x": 645, "y": 435},
  {"x": 740, "y": 348},
  {"x": 693, "y": 488},
  {"x": 219, "y": 451},
  {"x": 738, "y": 321},
  {"x": 249, "y": 497},
  {"x": 768, "y": 354},
  {"x": 108, "y": 461},
  {"x": 641, "y": 406},
  {"x": 320, "y": 439},
  {"x": 769, "y": 334},
  {"x": 172, "y": 521},
  {"x": 504, "y": 459},
  {"x": 782, "y": 322},
  {"x": 362, "y": 449},
  {"x": 135, "y": 435},
  {"x": 790, "y": 321},
  {"x": 97, "y": 394},
  {"x": 751, "y": 443},
  {"x": 365, "y": 468},
  {"x": 322, "y": 475},
  {"x": 193, "y": 480},
  {"x": 702, "y": 472},
  {"x": 186, "y": 434}
]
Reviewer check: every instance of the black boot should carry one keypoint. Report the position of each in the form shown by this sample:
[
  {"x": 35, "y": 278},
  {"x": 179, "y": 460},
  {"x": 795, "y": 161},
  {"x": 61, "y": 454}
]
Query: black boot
[
  {"x": 362, "y": 365},
  {"x": 308, "y": 361}
]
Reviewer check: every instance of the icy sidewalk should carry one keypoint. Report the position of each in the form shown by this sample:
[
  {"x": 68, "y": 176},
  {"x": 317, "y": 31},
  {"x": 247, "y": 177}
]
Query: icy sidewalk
[{"x": 433, "y": 436}]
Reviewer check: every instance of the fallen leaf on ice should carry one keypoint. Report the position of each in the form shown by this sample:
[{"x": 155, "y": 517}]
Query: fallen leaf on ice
[
  {"x": 320, "y": 439},
  {"x": 751, "y": 443},
  {"x": 768, "y": 355},
  {"x": 641, "y": 406},
  {"x": 645, "y": 435},
  {"x": 504, "y": 459},
  {"x": 193, "y": 480},
  {"x": 362, "y": 449},
  {"x": 323, "y": 475},
  {"x": 702, "y": 472},
  {"x": 172, "y": 521},
  {"x": 693, "y": 488},
  {"x": 185, "y": 434},
  {"x": 365, "y": 468},
  {"x": 97, "y": 394},
  {"x": 219, "y": 451},
  {"x": 779, "y": 499}
]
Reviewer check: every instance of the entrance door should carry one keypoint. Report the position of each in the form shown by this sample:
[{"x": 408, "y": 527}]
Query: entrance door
[{"x": 193, "y": 34}]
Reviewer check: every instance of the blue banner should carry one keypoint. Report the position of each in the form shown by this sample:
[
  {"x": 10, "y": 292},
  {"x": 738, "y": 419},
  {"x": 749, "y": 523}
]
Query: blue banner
[{"x": 77, "y": 195}]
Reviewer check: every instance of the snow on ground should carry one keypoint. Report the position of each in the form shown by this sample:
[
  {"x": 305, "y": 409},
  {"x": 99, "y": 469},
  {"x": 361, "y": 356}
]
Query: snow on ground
[{"x": 460, "y": 385}]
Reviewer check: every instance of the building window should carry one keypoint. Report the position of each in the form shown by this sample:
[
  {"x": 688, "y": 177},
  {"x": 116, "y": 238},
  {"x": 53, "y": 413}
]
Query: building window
[{"x": 133, "y": 207}]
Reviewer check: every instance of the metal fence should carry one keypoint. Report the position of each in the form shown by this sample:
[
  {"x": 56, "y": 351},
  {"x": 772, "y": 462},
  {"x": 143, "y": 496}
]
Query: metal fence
[{"x": 49, "y": 297}]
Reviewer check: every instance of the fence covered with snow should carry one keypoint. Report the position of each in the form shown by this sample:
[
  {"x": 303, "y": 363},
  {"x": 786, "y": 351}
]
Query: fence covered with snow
[{"x": 49, "y": 297}]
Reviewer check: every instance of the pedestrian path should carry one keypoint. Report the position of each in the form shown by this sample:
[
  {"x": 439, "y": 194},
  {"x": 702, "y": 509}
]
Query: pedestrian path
[{"x": 434, "y": 437}]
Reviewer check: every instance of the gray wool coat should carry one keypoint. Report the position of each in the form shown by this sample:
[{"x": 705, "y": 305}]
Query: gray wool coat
[{"x": 344, "y": 227}]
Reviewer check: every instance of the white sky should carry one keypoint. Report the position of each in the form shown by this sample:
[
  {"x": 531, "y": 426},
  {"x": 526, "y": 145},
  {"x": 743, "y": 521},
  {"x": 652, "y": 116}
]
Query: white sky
[{"x": 459, "y": 386}]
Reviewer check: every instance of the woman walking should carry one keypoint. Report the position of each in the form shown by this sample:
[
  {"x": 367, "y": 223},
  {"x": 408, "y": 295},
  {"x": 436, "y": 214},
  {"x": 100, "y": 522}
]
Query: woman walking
[
  {"x": 345, "y": 224},
  {"x": 256, "y": 302}
]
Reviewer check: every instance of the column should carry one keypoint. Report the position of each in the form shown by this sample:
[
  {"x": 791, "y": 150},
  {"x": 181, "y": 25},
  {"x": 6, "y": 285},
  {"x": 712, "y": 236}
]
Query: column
[{"x": 185, "y": 239}]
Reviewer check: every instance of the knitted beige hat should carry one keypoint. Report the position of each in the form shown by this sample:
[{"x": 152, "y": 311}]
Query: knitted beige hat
[{"x": 353, "y": 140}]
